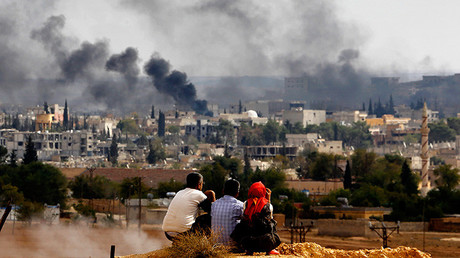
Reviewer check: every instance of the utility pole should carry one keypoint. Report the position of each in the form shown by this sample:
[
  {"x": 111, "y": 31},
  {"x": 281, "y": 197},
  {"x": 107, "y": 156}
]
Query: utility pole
[
  {"x": 140, "y": 206},
  {"x": 385, "y": 235}
]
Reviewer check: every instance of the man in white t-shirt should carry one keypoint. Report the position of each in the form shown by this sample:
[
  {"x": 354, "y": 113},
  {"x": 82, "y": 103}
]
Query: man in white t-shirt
[{"x": 183, "y": 209}]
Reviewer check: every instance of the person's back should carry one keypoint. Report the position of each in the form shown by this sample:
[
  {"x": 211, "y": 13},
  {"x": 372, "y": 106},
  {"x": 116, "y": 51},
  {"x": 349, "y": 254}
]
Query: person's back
[
  {"x": 183, "y": 210},
  {"x": 226, "y": 212}
]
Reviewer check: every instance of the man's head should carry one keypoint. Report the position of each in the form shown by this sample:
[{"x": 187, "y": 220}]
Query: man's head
[
  {"x": 232, "y": 187},
  {"x": 195, "y": 181}
]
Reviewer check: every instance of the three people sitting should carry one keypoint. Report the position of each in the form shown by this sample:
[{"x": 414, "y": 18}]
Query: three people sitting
[{"x": 248, "y": 226}]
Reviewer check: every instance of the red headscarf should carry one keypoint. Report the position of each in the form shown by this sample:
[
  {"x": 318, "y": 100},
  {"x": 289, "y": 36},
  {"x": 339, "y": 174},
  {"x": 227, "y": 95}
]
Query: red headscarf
[{"x": 256, "y": 200}]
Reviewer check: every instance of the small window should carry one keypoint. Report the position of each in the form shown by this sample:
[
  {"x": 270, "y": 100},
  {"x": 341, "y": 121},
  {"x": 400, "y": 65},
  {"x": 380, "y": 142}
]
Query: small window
[
  {"x": 69, "y": 144},
  {"x": 20, "y": 143}
]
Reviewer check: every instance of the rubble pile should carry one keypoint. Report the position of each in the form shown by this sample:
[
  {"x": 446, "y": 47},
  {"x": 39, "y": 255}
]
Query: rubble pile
[{"x": 314, "y": 250}]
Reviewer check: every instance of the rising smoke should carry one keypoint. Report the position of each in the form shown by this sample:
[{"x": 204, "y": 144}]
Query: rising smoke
[
  {"x": 83, "y": 73},
  {"x": 203, "y": 38},
  {"x": 174, "y": 84},
  {"x": 126, "y": 64}
]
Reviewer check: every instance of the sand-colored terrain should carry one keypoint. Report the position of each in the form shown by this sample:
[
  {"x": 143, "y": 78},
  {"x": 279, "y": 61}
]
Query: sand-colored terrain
[{"x": 86, "y": 241}]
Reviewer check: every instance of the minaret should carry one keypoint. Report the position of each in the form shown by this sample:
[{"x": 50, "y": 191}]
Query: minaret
[{"x": 424, "y": 153}]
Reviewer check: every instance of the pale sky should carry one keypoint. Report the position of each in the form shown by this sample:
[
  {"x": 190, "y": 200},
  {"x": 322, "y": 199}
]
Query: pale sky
[
  {"x": 283, "y": 37},
  {"x": 405, "y": 36}
]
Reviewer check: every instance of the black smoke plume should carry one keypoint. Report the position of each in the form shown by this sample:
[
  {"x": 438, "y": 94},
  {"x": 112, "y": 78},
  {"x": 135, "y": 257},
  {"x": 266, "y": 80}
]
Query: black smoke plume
[
  {"x": 174, "y": 84},
  {"x": 126, "y": 64},
  {"x": 81, "y": 62},
  {"x": 51, "y": 37}
]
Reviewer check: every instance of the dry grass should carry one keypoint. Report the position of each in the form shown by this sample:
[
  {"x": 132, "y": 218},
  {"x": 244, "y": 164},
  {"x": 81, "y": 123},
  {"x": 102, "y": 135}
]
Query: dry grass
[{"x": 191, "y": 245}]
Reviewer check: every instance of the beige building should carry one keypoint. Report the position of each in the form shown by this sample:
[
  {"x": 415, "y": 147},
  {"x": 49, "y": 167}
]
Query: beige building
[
  {"x": 304, "y": 116},
  {"x": 347, "y": 117}
]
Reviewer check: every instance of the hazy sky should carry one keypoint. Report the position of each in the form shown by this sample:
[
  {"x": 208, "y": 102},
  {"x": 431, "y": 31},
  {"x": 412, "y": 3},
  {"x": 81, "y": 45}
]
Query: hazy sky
[
  {"x": 407, "y": 36},
  {"x": 58, "y": 49}
]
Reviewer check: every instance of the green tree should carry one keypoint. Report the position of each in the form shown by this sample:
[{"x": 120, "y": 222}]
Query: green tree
[
  {"x": 161, "y": 124},
  {"x": 408, "y": 179},
  {"x": 66, "y": 116},
  {"x": 3, "y": 154},
  {"x": 454, "y": 123},
  {"x": 170, "y": 186},
  {"x": 174, "y": 129},
  {"x": 361, "y": 162},
  {"x": 369, "y": 196},
  {"x": 224, "y": 131},
  {"x": 271, "y": 131},
  {"x": 40, "y": 183},
  {"x": 448, "y": 177},
  {"x": 30, "y": 154},
  {"x": 128, "y": 126},
  {"x": 13, "y": 159},
  {"x": 129, "y": 188},
  {"x": 441, "y": 132},
  {"x": 113, "y": 151},
  {"x": 87, "y": 187},
  {"x": 323, "y": 167},
  {"x": 10, "y": 194},
  {"x": 143, "y": 141},
  {"x": 331, "y": 198},
  {"x": 233, "y": 166},
  {"x": 214, "y": 176},
  {"x": 248, "y": 135},
  {"x": 347, "y": 176},
  {"x": 156, "y": 152}
]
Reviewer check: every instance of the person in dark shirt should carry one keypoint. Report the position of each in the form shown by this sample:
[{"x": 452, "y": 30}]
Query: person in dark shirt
[{"x": 257, "y": 230}]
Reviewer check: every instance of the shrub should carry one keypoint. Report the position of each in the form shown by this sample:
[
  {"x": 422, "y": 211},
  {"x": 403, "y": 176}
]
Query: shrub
[{"x": 195, "y": 245}]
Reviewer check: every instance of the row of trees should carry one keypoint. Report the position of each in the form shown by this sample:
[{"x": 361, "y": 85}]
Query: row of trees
[
  {"x": 389, "y": 182},
  {"x": 30, "y": 184},
  {"x": 356, "y": 135}
]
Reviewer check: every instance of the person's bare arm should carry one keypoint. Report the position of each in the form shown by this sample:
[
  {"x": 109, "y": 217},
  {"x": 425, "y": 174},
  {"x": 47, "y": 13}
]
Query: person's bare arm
[
  {"x": 211, "y": 195},
  {"x": 268, "y": 194}
]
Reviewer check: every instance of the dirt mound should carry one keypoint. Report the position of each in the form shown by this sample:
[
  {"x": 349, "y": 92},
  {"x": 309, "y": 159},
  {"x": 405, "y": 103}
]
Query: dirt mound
[{"x": 314, "y": 250}]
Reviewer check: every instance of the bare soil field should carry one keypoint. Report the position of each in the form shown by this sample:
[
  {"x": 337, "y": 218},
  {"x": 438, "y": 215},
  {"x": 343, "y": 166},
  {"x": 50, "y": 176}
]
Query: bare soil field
[{"x": 84, "y": 240}]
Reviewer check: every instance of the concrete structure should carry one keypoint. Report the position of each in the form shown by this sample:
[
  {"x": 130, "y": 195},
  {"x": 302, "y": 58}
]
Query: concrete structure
[
  {"x": 300, "y": 139},
  {"x": 405, "y": 111},
  {"x": 296, "y": 88},
  {"x": 331, "y": 147},
  {"x": 306, "y": 117},
  {"x": 353, "y": 212},
  {"x": 270, "y": 151},
  {"x": 347, "y": 117},
  {"x": 202, "y": 129},
  {"x": 43, "y": 122},
  {"x": 267, "y": 108},
  {"x": 315, "y": 188},
  {"x": 424, "y": 153},
  {"x": 49, "y": 144}
]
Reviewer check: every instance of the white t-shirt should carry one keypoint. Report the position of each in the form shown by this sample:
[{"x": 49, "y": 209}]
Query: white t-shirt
[{"x": 182, "y": 210}]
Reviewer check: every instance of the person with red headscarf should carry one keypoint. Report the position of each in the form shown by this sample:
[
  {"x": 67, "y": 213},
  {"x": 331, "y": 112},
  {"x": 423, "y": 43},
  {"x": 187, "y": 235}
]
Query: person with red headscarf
[{"x": 257, "y": 230}]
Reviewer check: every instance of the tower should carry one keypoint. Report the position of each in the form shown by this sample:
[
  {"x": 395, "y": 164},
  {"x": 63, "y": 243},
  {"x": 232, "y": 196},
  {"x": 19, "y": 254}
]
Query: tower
[{"x": 424, "y": 152}]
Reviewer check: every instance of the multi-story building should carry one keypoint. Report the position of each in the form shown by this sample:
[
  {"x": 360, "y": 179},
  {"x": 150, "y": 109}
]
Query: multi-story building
[
  {"x": 51, "y": 144},
  {"x": 202, "y": 129},
  {"x": 304, "y": 116},
  {"x": 296, "y": 88}
]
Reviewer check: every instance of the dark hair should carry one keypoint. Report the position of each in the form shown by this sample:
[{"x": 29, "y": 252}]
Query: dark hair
[
  {"x": 231, "y": 187},
  {"x": 193, "y": 179}
]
